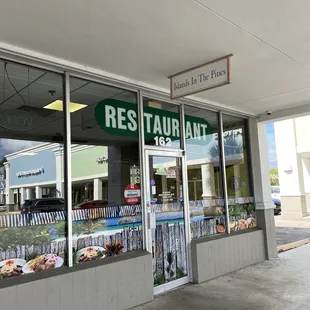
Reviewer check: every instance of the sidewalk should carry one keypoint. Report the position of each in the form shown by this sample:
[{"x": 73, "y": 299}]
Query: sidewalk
[{"x": 283, "y": 283}]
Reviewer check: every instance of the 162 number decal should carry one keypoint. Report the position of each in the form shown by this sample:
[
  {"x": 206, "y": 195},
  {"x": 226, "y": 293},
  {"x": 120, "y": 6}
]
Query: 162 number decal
[{"x": 162, "y": 141}]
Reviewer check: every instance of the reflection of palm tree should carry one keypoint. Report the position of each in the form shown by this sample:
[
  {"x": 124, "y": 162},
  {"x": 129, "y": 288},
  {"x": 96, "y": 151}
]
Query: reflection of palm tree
[{"x": 232, "y": 145}]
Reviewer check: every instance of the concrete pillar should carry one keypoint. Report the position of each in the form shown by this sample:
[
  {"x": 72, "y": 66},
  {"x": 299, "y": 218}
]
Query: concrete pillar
[
  {"x": 290, "y": 167},
  {"x": 9, "y": 193},
  {"x": 207, "y": 176},
  {"x": 261, "y": 186},
  {"x": 38, "y": 192},
  {"x": 22, "y": 195},
  {"x": 115, "y": 190},
  {"x": 97, "y": 189}
]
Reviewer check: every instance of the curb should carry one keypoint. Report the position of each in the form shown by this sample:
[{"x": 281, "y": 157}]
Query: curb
[{"x": 292, "y": 245}]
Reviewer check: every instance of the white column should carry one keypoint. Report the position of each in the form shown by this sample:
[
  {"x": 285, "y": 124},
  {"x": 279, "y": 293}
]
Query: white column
[
  {"x": 287, "y": 165},
  {"x": 97, "y": 189},
  {"x": 38, "y": 192},
  {"x": 306, "y": 173},
  {"x": 207, "y": 176},
  {"x": 59, "y": 173},
  {"x": 290, "y": 167},
  {"x": 9, "y": 194},
  {"x": 261, "y": 185},
  {"x": 22, "y": 195},
  {"x": 60, "y": 189},
  {"x": 29, "y": 193}
]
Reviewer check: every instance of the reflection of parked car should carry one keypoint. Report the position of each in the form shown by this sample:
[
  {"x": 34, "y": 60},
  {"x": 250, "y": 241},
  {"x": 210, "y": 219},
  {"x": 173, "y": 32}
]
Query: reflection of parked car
[
  {"x": 2, "y": 207},
  {"x": 91, "y": 204},
  {"x": 275, "y": 195},
  {"x": 43, "y": 205}
]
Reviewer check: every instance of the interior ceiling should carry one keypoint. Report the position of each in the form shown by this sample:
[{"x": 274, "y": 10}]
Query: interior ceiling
[
  {"x": 31, "y": 89},
  {"x": 150, "y": 40}
]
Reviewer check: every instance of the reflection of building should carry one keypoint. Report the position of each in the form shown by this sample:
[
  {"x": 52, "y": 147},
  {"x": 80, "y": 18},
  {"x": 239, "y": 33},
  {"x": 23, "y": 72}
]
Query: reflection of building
[
  {"x": 38, "y": 172},
  {"x": 203, "y": 167}
]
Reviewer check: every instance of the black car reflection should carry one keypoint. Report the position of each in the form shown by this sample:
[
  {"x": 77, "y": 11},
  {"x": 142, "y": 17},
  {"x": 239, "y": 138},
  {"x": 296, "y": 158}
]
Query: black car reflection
[{"x": 43, "y": 205}]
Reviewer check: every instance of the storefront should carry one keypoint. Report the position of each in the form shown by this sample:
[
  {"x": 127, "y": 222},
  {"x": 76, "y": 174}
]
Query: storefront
[{"x": 175, "y": 176}]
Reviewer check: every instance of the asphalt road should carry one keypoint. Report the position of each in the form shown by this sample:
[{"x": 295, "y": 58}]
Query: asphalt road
[
  {"x": 291, "y": 234},
  {"x": 291, "y": 230}
]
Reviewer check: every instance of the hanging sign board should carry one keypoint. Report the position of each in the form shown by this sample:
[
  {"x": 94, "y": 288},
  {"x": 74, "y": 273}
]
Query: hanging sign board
[
  {"x": 207, "y": 76},
  {"x": 121, "y": 118}
]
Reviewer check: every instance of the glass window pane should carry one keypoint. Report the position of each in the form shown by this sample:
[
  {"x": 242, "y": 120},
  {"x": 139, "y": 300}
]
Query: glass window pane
[
  {"x": 204, "y": 177},
  {"x": 239, "y": 186},
  {"x": 161, "y": 123},
  {"x": 105, "y": 171},
  {"x": 32, "y": 231}
]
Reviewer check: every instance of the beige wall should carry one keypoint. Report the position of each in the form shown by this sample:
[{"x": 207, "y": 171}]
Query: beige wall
[{"x": 294, "y": 206}]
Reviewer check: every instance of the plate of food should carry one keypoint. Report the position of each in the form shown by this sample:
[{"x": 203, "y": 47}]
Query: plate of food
[
  {"x": 11, "y": 267},
  {"x": 243, "y": 224},
  {"x": 251, "y": 222},
  {"x": 233, "y": 225},
  {"x": 43, "y": 262},
  {"x": 89, "y": 254},
  {"x": 220, "y": 228}
]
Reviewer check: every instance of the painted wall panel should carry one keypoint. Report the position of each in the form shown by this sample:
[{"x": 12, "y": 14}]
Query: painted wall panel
[
  {"x": 84, "y": 161},
  {"x": 42, "y": 159}
]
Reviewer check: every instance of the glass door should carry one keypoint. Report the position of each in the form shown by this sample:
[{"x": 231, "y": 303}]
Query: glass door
[{"x": 166, "y": 219}]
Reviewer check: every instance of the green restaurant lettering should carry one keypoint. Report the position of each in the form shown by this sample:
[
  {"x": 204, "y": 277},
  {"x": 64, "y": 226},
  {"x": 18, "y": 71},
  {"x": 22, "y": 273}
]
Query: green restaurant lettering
[{"x": 121, "y": 118}]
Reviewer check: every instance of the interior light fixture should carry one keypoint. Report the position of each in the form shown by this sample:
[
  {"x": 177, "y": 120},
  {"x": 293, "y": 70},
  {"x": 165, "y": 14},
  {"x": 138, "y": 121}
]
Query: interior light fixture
[
  {"x": 154, "y": 104},
  {"x": 57, "y": 105}
]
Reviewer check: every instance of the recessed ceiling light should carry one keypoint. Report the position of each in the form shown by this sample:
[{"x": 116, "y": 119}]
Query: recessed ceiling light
[
  {"x": 57, "y": 105},
  {"x": 154, "y": 104}
]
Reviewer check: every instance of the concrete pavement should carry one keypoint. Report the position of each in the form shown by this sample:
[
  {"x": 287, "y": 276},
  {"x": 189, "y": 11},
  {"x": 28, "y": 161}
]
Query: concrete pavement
[{"x": 283, "y": 283}]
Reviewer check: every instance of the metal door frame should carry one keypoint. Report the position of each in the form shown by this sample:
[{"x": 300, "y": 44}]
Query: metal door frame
[{"x": 173, "y": 153}]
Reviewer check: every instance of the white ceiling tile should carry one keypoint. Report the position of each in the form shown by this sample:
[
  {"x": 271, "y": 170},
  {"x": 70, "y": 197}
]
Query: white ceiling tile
[{"x": 148, "y": 41}]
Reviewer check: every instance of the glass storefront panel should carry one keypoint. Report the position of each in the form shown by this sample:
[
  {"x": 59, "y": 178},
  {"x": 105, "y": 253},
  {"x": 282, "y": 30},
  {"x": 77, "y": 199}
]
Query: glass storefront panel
[
  {"x": 107, "y": 217},
  {"x": 167, "y": 208},
  {"x": 239, "y": 188},
  {"x": 207, "y": 212},
  {"x": 161, "y": 124},
  {"x": 33, "y": 217},
  {"x": 105, "y": 162}
]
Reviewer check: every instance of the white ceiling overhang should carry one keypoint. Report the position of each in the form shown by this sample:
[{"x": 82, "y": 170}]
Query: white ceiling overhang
[{"x": 142, "y": 42}]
